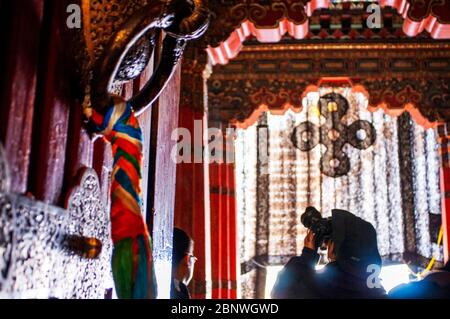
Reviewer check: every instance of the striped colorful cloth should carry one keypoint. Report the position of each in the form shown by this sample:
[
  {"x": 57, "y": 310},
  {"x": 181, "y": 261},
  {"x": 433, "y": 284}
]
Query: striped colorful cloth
[{"x": 132, "y": 255}]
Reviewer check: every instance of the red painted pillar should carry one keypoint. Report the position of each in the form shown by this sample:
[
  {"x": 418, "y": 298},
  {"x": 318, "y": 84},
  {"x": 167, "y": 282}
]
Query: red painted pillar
[
  {"x": 218, "y": 210},
  {"x": 205, "y": 202},
  {"x": 444, "y": 144},
  {"x": 224, "y": 239},
  {"x": 229, "y": 192},
  {"x": 216, "y": 229},
  {"x": 190, "y": 201},
  {"x": 232, "y": 226},
  {"x": 201, "y": 281},
  {"x": 223, "y": 223},
  {"x": 192, "y": 188}
]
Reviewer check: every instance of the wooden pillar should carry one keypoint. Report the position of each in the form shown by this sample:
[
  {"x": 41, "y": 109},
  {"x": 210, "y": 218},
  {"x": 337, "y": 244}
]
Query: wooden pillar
[
  {"x": 231, "y": 219},
  {"x": 59, "y": 144},
  {"x": 145, "y": 121},
  {"x": 192, "y": 189},
  {"x": 228, "y": 219},
  {"x": 21, "y": 30},
  {"x": 162, "y": 175},
  {"x": 224, "y": 221},
  {"x": 444, "y": 144},
  {"x": 222, "y": 189},
  {"x": 103, "y": 163},
  {"x": 218, "y": 238},
  {"x": 41, "y": 125},
  {"x": 262, "y": 213}
]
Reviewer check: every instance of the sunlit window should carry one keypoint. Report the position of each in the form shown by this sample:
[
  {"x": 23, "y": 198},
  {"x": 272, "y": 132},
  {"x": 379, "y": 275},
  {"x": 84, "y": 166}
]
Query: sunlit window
[{"x": 393, "y": 275}]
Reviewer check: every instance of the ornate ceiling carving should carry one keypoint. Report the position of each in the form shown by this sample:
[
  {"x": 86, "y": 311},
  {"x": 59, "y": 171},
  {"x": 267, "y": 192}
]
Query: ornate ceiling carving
[
  {"x": 397, "y": 77},
  {"x": 234, "y": 21},
  {"x": 431, "y": 15}
]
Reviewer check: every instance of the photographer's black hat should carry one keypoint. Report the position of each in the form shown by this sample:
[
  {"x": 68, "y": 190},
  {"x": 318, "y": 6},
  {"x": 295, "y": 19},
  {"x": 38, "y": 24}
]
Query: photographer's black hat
[{"x": 355, "y": 243}]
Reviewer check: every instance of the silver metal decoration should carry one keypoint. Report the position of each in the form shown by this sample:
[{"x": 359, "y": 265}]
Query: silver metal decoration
[
  {"x": 38, "y": 258},
  {"x": 89, "y": 218}
]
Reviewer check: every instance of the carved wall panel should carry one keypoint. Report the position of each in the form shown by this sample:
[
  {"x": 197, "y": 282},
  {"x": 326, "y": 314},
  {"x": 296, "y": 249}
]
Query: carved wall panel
[
  {"x": 89, "y": 218},
  {"x": 50, "y": 252},
  {"x": 395, "y": 76}
]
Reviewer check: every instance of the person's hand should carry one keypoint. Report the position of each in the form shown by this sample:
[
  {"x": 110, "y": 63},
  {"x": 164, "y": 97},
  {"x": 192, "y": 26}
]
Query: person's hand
[{"x": 310, "y": 240}]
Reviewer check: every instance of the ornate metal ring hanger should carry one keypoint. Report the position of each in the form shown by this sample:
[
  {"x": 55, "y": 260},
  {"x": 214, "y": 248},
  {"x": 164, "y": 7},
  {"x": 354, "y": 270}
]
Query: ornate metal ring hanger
[{"x": 122, "y": 54}]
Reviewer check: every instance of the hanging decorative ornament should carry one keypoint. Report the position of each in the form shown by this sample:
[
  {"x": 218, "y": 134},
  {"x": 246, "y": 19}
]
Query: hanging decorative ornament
[
  {"x": 119, "y": 39},
  {"x": 334, "y": 134}
]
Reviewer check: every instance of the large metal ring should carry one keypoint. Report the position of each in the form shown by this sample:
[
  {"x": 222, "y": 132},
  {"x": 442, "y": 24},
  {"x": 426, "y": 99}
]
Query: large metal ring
[{"x": 181, "y": 27}]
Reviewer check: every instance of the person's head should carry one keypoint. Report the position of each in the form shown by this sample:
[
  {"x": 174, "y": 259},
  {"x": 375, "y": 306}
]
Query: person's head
[
  {"x": 355, "y": 243},
  {"x": 183, "y": 258}
]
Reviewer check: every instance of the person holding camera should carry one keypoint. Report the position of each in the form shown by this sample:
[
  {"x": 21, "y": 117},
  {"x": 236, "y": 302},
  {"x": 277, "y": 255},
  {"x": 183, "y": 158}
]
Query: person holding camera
[{"x": 354, "y": 260}]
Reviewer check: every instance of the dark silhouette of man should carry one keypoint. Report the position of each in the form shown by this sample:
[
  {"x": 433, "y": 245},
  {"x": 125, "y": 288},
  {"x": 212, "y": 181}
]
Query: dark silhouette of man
[
  {"x": 436, "y": 285},
  {"x": 352, "y": 269}
]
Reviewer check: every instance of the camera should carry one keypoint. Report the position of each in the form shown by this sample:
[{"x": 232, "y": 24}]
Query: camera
[{"x": 321, "y": 227}]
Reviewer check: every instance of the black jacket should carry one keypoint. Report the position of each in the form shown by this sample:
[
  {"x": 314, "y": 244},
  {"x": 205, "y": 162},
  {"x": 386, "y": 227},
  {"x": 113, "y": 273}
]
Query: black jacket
[
  {"x": 434, "y": 286},
  {"x": 300, "y": 280},
  {"x": 181, "y": 293}
]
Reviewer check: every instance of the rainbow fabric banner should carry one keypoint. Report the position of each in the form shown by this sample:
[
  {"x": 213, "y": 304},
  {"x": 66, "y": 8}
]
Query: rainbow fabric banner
[{"x": 132, "y": 255}]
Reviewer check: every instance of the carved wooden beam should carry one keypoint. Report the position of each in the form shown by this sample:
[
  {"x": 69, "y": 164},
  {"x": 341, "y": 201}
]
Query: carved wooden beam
[
  {"x": 233, "y": 22},
  {"x": 430, "y": 15},
  {"x": 397, "y": 77}
]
